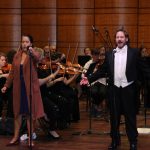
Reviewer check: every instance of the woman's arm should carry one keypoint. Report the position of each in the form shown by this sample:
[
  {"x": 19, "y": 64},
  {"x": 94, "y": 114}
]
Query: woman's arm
[
  {"x": 37, "y": 53},
  {"x": 46, "y": 79},
  {"x": 71, "y": 79},
  {"x": 51, "y": 83},
  {"x": 4, "y": 75},
  {"x": 49, "y": 78}
]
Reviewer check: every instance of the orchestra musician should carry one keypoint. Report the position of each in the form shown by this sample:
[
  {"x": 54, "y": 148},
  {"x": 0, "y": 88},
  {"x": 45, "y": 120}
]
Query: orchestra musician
[
  {"x": 50, "y": 108},
  {"x": 62, "y": 86},
  {"x": 145, "y": 75},
  {"x": 4, "y": 71},
  {"x": 19, "y": 75},
  {"x": 87, "y": 51},
  {"x": 97, "y": 89},
  {"x": 51, "y": 51}
]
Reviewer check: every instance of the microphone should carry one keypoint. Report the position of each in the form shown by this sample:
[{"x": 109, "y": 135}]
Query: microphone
[
  {"x": 29, "y": 49},
  {"x": 94, "y": 29},
  {"x": 114, "y": 51}
]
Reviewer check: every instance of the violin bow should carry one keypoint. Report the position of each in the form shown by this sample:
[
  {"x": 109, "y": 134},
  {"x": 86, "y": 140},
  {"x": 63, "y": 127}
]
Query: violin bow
[
  {"x": 75, "y": 52},
  {"x": 108, "y": 38},
  {"x": 100, "y": 36},
  {"x": 68, "y": 53},
  {"x": 49, "y": 54},
  {"x": 67, "y": 57}
]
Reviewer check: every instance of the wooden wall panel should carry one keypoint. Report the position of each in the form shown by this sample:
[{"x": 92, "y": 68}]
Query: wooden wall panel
[
  {"x": 144, "y": 4},
  {"x": 39, "y": 19},
  {"x": 41, "y": 34},
  {"x": 75, "y": 19},
  {"x": 10, "y": 25},
  {"x": 113, "y": 14},
  {"x": 115, "y": 19},
  {"x": 10, "y": 4},
  {"x": 78, "y": 4},
  {"x": 74, "y": 25},
  {"x": 144, "y": 20},
  {"x": 75, "y": 34},
  {"x": 144, "y": 23},
  {"x": 36, "y": 4},
  {"x": 66, "y": 21},
  {"x": 115, "y": 3}
]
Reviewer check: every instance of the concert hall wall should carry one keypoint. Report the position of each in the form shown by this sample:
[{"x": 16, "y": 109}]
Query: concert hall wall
[{"x": 66, "y": 22}]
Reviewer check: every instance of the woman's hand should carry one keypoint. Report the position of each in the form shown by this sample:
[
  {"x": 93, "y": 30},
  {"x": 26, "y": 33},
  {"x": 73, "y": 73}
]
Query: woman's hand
[
  {"x": 4, "y": 89},
  {"x": 60, "y": 79},
  {"x": 4, "y": 75},
  {"x": 84, "y": 81},
  {"x": 51, "y": 77}
]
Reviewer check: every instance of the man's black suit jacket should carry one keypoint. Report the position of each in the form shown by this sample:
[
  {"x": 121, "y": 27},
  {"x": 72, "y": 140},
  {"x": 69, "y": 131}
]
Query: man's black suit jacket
[{"x": 107, "y": 69}]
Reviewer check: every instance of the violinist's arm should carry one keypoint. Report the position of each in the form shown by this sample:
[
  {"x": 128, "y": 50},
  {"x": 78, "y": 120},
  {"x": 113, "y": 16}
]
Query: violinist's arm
[
  {"x": 51, "y": 83},
  {"x": 56, "y": 72},
  {"x": 56, "y": 61},
  {"x": 10, "y": 77},
  {"x": 4, "y": 75},
  {"x": 46, "y": 79},
  {"x": 37, "y": 53},
  {"x": 71, "y": 79},
  {"x": 49, "y": 78}
]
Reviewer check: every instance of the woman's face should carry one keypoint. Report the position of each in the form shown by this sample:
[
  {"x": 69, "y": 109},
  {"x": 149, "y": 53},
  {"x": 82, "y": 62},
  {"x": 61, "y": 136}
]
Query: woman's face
[
  {"x": 2, "y": 61},
  {"x": 25, "y": 43}
]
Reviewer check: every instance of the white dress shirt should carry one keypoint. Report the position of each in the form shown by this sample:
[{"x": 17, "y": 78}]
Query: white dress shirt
[{"x": 120, "y": 62}]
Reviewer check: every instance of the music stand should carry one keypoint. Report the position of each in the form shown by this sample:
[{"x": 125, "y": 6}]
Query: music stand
[
  {"x": 82, "y": 59},
  {"x": 89, "y": 130}
]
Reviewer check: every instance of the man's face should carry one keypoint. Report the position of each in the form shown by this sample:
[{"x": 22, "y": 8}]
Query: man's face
[
  {"x": 87, "y": 52},
  {"x": 121, "y": 40},
  {"x": 46, "y": 50},
  {"x": 2, "y": 61},
  {"x": 53, "y": 49}
]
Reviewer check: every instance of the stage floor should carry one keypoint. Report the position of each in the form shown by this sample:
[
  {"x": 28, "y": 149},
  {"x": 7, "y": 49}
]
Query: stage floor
[{"x": 98, "y": 139}]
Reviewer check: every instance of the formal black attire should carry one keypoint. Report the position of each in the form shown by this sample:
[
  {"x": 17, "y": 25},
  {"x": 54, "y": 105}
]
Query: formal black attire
[
  {"x": 97, "y": 90},
  {"x": 6, "y": 97},
  {"x": 145, "y": 78},
  {"x": 121, "y": 100}
]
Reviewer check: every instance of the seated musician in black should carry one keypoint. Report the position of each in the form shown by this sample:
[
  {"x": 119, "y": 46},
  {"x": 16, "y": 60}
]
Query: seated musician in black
[
  {"x": 97, "y": 89},
  {"x": 50, "y": 108},
  {"x": 4, "y": 70},
  {"x": 61, "y": 86},
  {"x": 51, "y": 51},
  {"x": 145, "y": 75}
]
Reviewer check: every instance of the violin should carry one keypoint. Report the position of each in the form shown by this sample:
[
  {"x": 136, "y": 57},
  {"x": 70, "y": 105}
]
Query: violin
[
  {"x": 45, "y": 64},
  {"x": 73, "y": 71},
  {"x": 6, "y": 68},
  {"x": 69, "y": 70}
]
